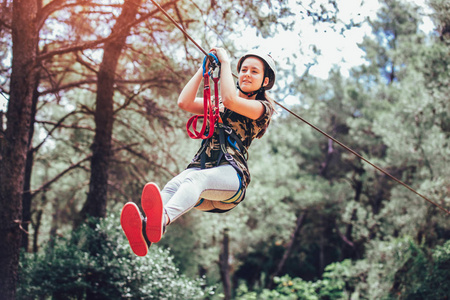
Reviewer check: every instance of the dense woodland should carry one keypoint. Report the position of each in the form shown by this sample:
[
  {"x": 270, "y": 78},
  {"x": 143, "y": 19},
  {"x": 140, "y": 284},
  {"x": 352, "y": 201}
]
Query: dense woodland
[{"x": 92, "y": 116}]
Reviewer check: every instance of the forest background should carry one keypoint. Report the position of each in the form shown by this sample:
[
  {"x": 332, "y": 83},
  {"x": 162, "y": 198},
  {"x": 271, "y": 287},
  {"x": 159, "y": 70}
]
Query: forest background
[{"x": 91, "y": 89}]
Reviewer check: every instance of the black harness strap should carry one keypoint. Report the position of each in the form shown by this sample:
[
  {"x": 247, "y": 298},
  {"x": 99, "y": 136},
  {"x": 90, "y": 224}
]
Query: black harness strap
[
  {"x": 226, "y": 130},
  {"x": 226, "y": 135}
]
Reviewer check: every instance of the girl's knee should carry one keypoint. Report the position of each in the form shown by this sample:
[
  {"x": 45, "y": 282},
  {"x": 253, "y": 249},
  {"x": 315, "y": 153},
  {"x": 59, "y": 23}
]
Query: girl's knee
[
  {"x": 196, "y": 178},
  {"x": 172, "y": 185}
]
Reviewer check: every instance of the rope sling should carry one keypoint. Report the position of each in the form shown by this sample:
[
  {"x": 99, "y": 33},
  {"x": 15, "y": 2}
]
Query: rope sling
[
  {"x": 210, "y": 113},
  {"x": 313, "y": 126}
]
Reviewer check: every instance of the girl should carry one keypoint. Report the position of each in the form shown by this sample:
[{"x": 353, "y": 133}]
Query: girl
[{"x": 217, "y": 177}]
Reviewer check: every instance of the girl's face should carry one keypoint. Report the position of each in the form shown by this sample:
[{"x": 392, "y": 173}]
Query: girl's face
[{"x": 251, "y": 75}]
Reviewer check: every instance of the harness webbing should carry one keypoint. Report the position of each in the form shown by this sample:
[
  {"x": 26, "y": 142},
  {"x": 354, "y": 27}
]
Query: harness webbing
[{"x": 226, "y": 135}]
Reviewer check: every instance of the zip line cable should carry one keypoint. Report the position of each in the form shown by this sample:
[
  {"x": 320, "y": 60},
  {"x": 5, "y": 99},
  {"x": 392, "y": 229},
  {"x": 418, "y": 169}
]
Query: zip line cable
[
  {"x": 311, "y": 125},
  {"x": 364, "y": 159}
]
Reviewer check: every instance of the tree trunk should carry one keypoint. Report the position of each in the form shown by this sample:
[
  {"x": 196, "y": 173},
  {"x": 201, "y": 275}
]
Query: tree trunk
[
  {"x": 287, "y": 253},
  {"x": 349, "y": 249},
  {"x": 54, "y": 225},
  {"x": 27, "y": 197},
  {"x": 322, "y": 247},
  {"x": 224, "y": 265},
  {"x": 14, "y": 144},
  {"x": 95, "y": 205},
  {"x": 36, "y": 231}
]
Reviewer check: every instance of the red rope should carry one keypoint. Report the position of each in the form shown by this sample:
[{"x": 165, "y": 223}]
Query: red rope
[{"x": 210, "y": 112}]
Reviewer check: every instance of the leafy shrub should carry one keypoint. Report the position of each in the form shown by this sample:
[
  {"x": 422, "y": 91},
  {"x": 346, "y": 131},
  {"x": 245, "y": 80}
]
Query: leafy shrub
[
  {"x": 398, "y": 269},
  {"x": 422, "y": 278},
  {"x": 97, "y": 261},
  {"x": 288, "y": 288}
]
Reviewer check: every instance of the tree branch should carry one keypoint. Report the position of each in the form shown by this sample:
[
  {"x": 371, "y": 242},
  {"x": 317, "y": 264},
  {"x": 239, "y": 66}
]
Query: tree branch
[
  {"x": 66, "y": 126},
  {"x": 97, "y": 43},
  {"x": 56, "y": 5},
  {"x": 55, "y": 90},
  {"x": 4, "y": 24},
  {"x": 56, "y": 126},
  {"x": 89, "y": 66},
  {"x": 145, "y": 158},
  {"x": 344, "y": 238},
  {"x": 46, "y": 185}
]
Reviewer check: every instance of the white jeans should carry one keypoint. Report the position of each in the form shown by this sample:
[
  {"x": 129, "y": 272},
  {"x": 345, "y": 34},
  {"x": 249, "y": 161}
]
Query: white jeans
[{"x": 183, "y": 192}]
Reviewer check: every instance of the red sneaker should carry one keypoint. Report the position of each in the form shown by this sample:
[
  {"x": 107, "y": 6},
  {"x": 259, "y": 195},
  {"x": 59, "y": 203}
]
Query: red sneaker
[
  {"x": 154, "y": 211},
  {"x": 131, "y": 221}
]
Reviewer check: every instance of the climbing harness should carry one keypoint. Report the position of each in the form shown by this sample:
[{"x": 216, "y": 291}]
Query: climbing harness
[
  {"x": 314, "y": 127},
  {"x": 212, "y": 122},
  {"x": 210, "y": 113},
  {"x": 226, "y": 136}
]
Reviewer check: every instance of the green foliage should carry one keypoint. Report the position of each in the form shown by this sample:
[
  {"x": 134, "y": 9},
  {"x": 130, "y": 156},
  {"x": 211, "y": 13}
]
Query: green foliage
[
  {"x": 98, "y": 261},
  {"x": 421, "y": 277},
  {"x": 394, "y": 110},
  {"x": 289, "y": 288},
  {"x": 398, "y": 269}
]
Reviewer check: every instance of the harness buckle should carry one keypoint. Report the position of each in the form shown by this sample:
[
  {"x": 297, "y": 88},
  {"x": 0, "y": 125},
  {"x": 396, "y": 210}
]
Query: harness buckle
[{"x": 228, "y": 130}]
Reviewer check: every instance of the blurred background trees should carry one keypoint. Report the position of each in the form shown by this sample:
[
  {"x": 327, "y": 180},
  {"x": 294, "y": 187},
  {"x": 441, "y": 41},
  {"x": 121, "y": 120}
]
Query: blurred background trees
[{"x": 99, "y": 119}]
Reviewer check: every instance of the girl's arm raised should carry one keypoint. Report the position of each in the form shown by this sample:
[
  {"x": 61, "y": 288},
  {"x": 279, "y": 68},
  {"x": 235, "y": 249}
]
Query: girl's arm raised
[{"x": 188, "y": 100}]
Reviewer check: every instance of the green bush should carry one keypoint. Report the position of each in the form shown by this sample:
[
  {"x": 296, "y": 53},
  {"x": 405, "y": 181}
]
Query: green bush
[
  {"x": 396, "y": 269},
  {"x": 399, "y": 269},
  {"x": 422, "y": 278},
  {"x": 96, "y": 260},
  {"x": 328, "y": 288}
]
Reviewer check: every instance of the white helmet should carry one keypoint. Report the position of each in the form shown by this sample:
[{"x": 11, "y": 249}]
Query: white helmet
[{"x": 269, "y": 62}]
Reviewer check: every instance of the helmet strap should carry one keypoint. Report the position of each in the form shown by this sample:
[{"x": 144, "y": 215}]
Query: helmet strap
[{"x": 250, "y": 94}]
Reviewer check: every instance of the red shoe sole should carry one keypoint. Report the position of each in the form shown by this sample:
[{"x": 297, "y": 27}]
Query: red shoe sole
[
  {"x": 152, "y": 205},
  {"x": 131, "y": 222}
]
